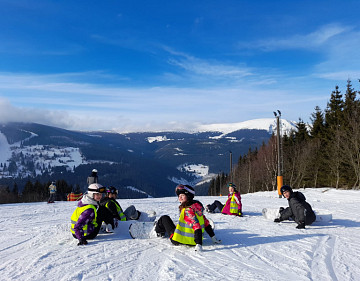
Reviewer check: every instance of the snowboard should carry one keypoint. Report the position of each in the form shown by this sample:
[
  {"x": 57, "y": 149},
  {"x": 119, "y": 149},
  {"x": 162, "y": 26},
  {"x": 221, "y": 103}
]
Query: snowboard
[
  {"x": 147, "y": 216},
  {"x": 323, "y": 216},
  {"x": 145, "y": 230},
  {"x": 272, "y": 213},
  {"x": 142, "y": 230}
]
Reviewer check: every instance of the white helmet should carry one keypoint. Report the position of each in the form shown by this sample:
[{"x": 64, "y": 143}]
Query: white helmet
[
  {"x": 94, "y": 171},
  {"x": 95, "y": 188}
]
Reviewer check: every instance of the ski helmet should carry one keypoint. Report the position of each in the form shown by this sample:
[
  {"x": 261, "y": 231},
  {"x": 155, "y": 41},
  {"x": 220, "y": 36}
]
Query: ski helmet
[
  {"x": 95, "y": 188},
  {"x": 285, "y": 188},
  {"x": 94, "y": 171},
  {"x": 112, "y": 190},
  {"x": 230, "y": 184},
  {"x": 185, "y": 189}
]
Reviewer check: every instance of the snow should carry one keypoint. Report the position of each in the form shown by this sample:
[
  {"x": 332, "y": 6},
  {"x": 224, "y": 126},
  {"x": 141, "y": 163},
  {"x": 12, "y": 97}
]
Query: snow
[
  {"x": 157, "y": 139},
  {"x": 36, "y": 244},
  {"x": 198, "y": 170},
  {"x": 267, "y": 124},
  {"x": 5, "y": 152},
  {"x": 137, "y": 190},
  {"x": 43, "y": 156}
]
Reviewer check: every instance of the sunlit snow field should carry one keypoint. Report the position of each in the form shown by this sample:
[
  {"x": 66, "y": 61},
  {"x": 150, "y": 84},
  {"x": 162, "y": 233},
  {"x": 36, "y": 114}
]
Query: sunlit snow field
[{"x": 36, "y": 244}]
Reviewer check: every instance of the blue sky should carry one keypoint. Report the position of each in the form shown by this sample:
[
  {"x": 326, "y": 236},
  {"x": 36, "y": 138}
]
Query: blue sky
[{"x": 157, "y": 65}]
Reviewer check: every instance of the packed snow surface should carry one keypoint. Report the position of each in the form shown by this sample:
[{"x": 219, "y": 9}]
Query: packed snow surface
[{"x": 36, "y": 244}]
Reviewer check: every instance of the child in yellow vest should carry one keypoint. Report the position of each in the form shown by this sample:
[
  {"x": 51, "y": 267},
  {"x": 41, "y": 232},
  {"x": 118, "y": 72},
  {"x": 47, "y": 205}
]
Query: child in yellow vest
[{"x": 192, "y": 222}]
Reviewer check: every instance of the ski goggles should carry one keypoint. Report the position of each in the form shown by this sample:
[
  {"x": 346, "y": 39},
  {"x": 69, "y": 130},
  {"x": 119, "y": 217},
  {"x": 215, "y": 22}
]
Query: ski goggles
[
  {"x": 183, "y": 189},
  {"x": 231, "y": 185},
  {"x": 98, "y": 190}
]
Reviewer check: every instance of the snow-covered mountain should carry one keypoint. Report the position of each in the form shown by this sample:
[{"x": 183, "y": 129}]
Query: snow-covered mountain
[
  {"x": 267, "y": 124},
  {"x": 34, "y": 150},
  {"x": 36, "y": 244}
]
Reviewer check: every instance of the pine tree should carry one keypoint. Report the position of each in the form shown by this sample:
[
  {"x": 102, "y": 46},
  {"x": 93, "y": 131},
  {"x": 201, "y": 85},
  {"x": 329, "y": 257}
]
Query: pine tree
[
  {"x": 318, "y": 123},
  {"x": 301, "y": 133},
  {"x": 350, "y": 103},
  {"x": 333, "y": 112}
]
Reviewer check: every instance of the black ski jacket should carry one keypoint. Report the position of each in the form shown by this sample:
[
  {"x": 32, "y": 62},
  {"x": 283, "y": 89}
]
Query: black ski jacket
[
  {"x": 111, "y": 206},
  {"x": 299, "y": 210}
]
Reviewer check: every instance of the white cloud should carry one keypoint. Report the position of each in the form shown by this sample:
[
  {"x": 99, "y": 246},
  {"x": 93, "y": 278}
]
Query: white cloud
[{"x": 309, "y": 41}]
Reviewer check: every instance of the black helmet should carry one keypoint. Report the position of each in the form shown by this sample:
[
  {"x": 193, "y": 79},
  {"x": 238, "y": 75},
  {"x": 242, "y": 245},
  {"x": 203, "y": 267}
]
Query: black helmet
[
  {"x": 286, "y": 188},
  {"x": 112, "y": 190},
  {"x": 185, "y": 189}
]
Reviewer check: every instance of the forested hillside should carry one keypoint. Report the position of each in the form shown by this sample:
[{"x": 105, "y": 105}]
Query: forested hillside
[{"x": 325, "y": 152}]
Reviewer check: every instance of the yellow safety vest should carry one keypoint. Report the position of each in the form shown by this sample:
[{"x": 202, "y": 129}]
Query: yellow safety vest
[
  {"x": 234, "y": 207},
  {"x": 76, "y": 214},
  {"x": 184, "y": 233},
  {"x": 119, "y": 210}
]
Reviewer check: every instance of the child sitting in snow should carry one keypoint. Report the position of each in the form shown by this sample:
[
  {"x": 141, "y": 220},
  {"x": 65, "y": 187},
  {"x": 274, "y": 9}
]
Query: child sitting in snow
[
  {"x": 232, "y": 206},
  {"x": 115, "y": 211},
  {"x": 192, "y": 222},
  {"x": 87, "y": 219}
]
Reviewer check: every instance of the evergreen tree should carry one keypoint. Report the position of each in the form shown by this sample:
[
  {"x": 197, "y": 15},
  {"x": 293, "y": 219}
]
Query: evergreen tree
[
  {"x": 333, "y": 112},
  {"x": 301, "y": 134},
  {"x": 15, "y": 190},
  {"x": 211, "y": 191},
  {"x": 350, "y": 103},
  {"x": 318, "y": 123}
]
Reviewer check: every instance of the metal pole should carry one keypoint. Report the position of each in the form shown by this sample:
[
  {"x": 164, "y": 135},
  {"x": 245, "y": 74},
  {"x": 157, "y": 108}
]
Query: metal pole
[
  {"x": 278, "y": 144},
  {"x": 230, "y": 166},
  {"x": 220, "y": 183},
  {"x": 279, "y": 177}
]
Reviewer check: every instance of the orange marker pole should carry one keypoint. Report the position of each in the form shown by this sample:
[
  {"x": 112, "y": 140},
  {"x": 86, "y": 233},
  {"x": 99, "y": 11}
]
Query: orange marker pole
[{"x": 279, "y": 184}]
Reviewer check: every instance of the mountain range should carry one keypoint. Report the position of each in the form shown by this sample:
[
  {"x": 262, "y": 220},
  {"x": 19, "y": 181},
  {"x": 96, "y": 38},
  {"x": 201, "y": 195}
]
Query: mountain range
[{"x": 139, "y": 164}]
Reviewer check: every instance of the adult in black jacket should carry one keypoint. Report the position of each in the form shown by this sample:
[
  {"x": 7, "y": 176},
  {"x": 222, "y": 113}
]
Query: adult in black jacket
[{"x": 299, "y": 210}]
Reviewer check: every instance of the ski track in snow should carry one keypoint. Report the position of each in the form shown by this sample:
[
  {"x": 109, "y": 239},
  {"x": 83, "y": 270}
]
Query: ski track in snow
[{"x": 36, "y": 244}]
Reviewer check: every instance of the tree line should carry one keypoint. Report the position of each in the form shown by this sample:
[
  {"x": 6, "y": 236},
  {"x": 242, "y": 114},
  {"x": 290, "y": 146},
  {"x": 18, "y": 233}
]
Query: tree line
[
  {"x": 35, "y": 192},
  {"x": 322, "y": 153}
]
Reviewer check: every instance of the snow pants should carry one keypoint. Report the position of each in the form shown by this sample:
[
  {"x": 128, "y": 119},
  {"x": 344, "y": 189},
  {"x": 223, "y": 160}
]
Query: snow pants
[
  {"x": 131, "y": 213},
  {"x": 217, "y": 204},
  {"x": 104, "y": 215},
  {"x": 166, "y": 225},
  {"x": 52, "y": 197},
  {"x": 287, "y": 213}
]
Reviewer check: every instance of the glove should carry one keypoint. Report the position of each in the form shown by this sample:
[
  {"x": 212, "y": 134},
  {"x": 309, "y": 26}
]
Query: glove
[
  {"x": 301, "y": 225},
  {"x": 198, "y": 248},
  {"x": 82, "y": 242},
  {"x": 215, "y": 240},
  {"x": 281, "y": 209},
  {"x": 277, "y": 220},
  {"x": 116, "y": 223}
]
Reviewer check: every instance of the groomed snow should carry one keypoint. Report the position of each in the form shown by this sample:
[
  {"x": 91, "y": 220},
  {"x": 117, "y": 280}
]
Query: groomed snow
[{"x": 36, "y": 244}]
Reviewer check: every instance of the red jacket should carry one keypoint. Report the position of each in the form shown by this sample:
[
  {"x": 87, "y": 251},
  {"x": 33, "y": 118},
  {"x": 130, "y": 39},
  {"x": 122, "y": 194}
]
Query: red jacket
[{"x": 190, "y": 215}]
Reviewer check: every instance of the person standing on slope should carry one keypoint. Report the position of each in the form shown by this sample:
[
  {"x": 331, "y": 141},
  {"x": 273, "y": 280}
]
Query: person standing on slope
[
  {"x": 299, "y": 210},
  {"x": 85, "y": 220},
  {"x": 232, "y": 206},
  {"x": 93, "y": 178},
  {"x": 52, "y": 190},
  {"x": 192, "y": 222}
]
